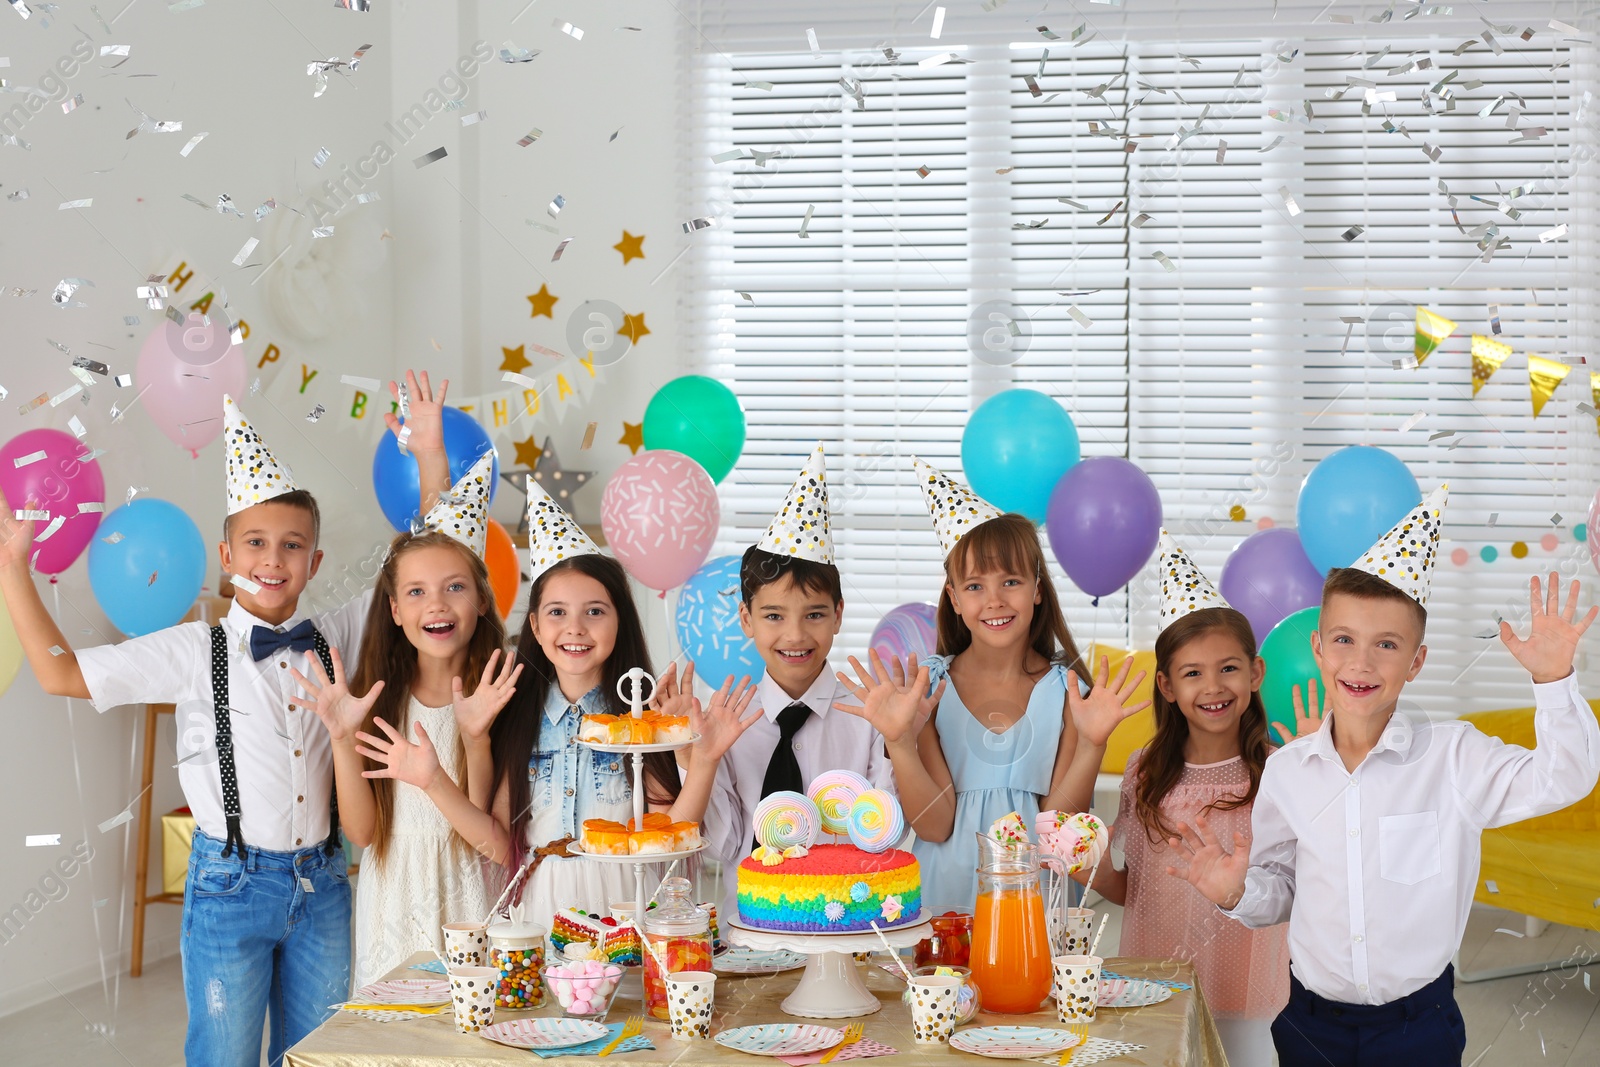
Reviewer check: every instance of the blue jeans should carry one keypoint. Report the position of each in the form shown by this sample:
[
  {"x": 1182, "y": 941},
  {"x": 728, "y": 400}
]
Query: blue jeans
[{"x": 265, "y": 933}]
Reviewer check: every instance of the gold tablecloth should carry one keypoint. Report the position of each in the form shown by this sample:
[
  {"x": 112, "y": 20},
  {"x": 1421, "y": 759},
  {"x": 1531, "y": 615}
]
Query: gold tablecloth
[{"x": 1176, "y": 1033}]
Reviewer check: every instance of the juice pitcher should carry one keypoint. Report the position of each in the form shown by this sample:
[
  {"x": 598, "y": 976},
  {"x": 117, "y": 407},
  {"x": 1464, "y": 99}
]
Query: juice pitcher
[{"x": 1010, "y": 946}]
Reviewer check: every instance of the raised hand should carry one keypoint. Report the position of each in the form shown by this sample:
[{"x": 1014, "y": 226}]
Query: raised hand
[
  {"x": 16, "y": 536},
  {"x": 426, "y": 420},
  {"x": 1216, "y": 872},
  {"x": 341, "y": 711},
  {"x": 1097, "y": 714},
  {"x": 415, "y": 763},
  {"x": 674, "y": 697},
  {"x": 894, "y": 701},
  {"x": 721, "y": 724},
  {"x": 1547, "y": 651},
  {"x": 1305, "y": 722},
  {"x": 476, "y": 713}
]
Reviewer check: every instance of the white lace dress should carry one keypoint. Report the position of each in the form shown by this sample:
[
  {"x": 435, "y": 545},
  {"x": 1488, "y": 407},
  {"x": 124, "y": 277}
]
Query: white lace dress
[{"x": 426, "y": 879}]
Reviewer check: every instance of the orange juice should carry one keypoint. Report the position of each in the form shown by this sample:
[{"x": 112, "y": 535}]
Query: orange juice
[{"x": 1011, "y": 950}]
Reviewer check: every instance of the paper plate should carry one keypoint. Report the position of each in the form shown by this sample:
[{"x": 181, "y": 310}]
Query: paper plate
[
  {"x": 543, "y": 1033},
  {"x": 740, "y": 960},
  {"x": 1012, "y": 1042},
  {"x": 1131, "y": 993},
  {"x": 392, "y": 1016},
  {"x": 405, "y": 991},
  {"x": 781, "y": 1039}
]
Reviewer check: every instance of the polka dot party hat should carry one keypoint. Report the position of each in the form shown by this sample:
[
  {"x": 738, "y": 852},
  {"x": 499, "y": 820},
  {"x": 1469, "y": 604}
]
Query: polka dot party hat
[
  {"x": 463, "y": 512},
  {"x": 553, "y": 535},
  {"x": 1183, "y": 587},
  {"x": 1404, "y": 556},
  {"x": 955, "y": 508},
  {"x": 801, "y": 526},
  {"x": 253, "y": 474}
]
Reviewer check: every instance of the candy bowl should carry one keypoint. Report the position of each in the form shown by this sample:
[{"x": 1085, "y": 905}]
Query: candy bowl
[
  {"x": 968, "y": 999},
  {"x": 583, "y": 988}
]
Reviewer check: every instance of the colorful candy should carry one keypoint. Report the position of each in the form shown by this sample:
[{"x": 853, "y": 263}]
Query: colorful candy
[
  {"x": 1078, "y": 841},
  {"x": 585, "y": 987},
  {"x": 690, "y": 952},
  {"x": 786, "y": 820},
  {"x": 834, "y": 792},
  {"x": 519, "y": 977},
  {"x": 1010, "y": 831},
  {"x": 876, "y": 821}
]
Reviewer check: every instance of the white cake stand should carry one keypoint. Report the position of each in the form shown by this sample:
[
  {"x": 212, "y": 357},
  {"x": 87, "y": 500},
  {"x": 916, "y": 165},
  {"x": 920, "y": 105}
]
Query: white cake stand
[{"x": 831, "y": 986}]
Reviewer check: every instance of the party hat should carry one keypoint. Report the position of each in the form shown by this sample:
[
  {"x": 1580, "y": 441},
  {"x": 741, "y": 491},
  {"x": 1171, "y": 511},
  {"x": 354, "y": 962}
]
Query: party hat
[
  {"x": 801, "y": 526},
  {"x": 1403, "y": 557},
  {"x": 1183, "y": 587},
  {"x": 253, "y": 474},
  {"x": 552, "y": 534},
  {"x": 463, "y": 512},
  {"x": 955, "y": 508}
]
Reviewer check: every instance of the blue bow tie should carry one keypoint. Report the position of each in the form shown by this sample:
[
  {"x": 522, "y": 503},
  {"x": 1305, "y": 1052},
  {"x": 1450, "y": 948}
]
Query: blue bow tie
[{"x": 264, "y": 641}]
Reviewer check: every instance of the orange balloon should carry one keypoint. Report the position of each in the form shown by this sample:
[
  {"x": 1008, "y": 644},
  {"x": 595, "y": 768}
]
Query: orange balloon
[{"x": 505, "y": 572}]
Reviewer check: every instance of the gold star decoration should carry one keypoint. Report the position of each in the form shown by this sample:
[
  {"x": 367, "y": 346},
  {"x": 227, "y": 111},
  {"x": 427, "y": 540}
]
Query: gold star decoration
[
  {"x": 632, "y": 436},
  {"x": 543, "y": 303},
  {"x": 630, "y": 246},
  {"x": 515, "y": 361},
  {"x": 528, "y": 453},
  {"x": 633, "y": 327}
]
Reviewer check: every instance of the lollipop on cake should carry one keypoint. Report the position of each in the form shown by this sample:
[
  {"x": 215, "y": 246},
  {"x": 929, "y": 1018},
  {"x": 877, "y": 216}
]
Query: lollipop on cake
[{"x": 787, "y": 824}]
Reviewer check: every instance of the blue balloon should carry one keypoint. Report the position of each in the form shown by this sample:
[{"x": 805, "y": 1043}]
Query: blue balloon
[
  {"x": 708, "y": 624},
  {"x": 1349, "y": 500},
  {"x": 1016, "y": 447},
  {"x": 146, "y": 579},
  {"x": 394, "y": 475}
]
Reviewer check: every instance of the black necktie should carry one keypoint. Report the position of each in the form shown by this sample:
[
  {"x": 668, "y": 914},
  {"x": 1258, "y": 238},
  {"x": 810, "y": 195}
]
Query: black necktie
[{"x": 783, "y": 769}]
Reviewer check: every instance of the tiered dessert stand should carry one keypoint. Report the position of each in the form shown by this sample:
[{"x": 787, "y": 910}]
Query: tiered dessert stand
[{"x": 831, "y": 986}]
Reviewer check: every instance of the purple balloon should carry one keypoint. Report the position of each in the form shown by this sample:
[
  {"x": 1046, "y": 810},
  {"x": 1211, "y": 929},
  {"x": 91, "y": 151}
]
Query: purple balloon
[
  {"x": 1269, "y": 577},
  {"x": 53, "y": 479},
  {"x": 908, "y": 630},
  {"x": 1104, "y": 521}
]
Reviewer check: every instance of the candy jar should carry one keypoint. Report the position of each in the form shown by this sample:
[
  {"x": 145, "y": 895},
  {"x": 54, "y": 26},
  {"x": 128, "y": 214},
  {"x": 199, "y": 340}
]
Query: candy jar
[
  {"x": 951, "y": 943},
  {"x": 679, "y": 936},
  {"x": 516, "y": 950},
  {"x": 968, "y": 998}
]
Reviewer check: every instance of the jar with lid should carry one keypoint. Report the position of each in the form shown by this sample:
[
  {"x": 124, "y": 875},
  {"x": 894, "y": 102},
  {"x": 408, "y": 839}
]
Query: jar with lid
[
  {"x": 678, "y": 938},
  {"x": 516, "y": 950}
]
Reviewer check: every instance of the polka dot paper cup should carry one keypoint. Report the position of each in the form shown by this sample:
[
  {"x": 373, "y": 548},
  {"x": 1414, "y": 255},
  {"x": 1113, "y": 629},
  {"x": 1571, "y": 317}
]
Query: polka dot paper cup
[
  {"x": 472, "y": 993},
  {"x": 466, "y": 944},
  {"x": 1077, "y": 987},
  {"x": 1077, "y": 930},
  {"x": 690, "y": 995},
  {"x": 933, "y": 1008}
]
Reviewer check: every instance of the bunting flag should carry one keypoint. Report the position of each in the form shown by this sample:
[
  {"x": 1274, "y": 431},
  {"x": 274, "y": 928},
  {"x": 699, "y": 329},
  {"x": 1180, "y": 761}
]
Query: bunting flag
[
  {"x": 1543, "y": 377},
  {"x": 1487, "y": 355},
  {"x": 1431, "y": 330}
]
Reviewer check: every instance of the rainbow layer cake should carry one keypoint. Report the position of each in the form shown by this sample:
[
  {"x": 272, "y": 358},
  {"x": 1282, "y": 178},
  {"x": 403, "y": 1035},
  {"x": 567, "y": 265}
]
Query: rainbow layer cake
[
  {"x": 831, "y": 889},
  {"x": 619, "y": 942}
]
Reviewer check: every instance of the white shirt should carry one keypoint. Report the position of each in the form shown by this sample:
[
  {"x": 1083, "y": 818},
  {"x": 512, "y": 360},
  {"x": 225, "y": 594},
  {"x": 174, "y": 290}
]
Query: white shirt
[
  {"x": 1375, "y": 870},
  {"x": 281, "y": 751},
  {"x": 829, "y": 740}
]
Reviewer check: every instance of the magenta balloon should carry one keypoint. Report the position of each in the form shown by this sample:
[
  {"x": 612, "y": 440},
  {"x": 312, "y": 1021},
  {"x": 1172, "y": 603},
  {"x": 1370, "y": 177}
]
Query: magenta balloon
[
  {"x": 1104, "y": 520},
  {"x": 660, "y": 515},
  {"x": 908, "y": 630},
  {"x": 1269, "y": 577},
  {"x": 57, "y": 482},
  {"x": 183, "y": 372}
]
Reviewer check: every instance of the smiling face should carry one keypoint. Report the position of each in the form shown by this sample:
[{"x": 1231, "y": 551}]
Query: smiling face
[
  {"x": 1367, "y": 650},
  {"x": 1210, "y": 679},
  {"x": 273, "y": 545},
  {"x": 575, "y": 623},
  {"x": 436, "y": 601},
  {"x": 997, "y": 605},
  {"x": 793, "y": 630}
]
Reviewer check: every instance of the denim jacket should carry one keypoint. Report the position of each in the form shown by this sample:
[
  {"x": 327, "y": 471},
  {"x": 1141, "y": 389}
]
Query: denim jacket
[{"x": 570, "y": 782}]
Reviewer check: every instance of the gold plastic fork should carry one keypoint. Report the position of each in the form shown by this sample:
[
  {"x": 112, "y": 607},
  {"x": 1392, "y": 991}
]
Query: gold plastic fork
[
  {"x": 852, "y": 1034},
  {"x": 632, "y": 1028},
  {"x": 1079, "y": 1031}
]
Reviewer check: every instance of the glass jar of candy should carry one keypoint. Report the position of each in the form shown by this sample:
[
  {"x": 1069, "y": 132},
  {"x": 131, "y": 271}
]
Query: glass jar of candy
[
  {"x": 951, "y": 943},
  {"x": 678, "y": 933},
  {"x": 516, "y": 950},
  {"x": 968, "y": 998}
]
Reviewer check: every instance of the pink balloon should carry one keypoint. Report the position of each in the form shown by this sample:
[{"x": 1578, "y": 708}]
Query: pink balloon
[
  {"x": 56, "y": 481},
  {"x": 660, "y": 515},
  {"x": 183, "y": 372}
]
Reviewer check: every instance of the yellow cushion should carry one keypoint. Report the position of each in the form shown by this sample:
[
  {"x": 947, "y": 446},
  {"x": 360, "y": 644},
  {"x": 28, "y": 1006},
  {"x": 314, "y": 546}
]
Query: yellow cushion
[
  {"x": 1515, "y": 727},
  {"x": 1134, "y": 733},
  {"x": 1551, "y": 874},
  {"x": 177, "y": 835}
]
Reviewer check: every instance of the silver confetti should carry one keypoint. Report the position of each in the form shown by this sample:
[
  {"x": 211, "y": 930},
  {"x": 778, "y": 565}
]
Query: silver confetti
[
  {"x": 123, "y": 381},
  {"x": 1288, "y": 201},
  {"x": 316, "y": 413},
  {"x": 805, "y": 223},
  {"x": 36, "y": 840},
  {"x": 556, "y": 205},
  {"x": 320, "y": 158},
  {"x": 560, "y": 248},
  {"x": 1077, "y": 313},
  {"x": 569, "y": 29},
  {"x": 474, "y": 118},
  {"x": 431, "y": 157},
  {"x": 531, "y": 136},
  {"x": 69, "y": 204}
]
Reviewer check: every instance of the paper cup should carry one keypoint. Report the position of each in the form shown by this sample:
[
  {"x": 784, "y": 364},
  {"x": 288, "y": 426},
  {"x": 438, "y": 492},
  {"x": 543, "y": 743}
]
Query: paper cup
[
  {"x": 933, "y": 1008},
  {"x": 472, "y": 992},
  {"x": 690, "y": 995},
  {"x": 465, "y": 944},
  {"x": 1077, "y": 930},
  {"x": 1077, "y": 991}
]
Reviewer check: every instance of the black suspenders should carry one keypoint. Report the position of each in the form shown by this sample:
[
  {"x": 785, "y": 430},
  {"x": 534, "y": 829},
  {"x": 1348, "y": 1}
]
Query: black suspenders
[{"x": 225, "y": 767}]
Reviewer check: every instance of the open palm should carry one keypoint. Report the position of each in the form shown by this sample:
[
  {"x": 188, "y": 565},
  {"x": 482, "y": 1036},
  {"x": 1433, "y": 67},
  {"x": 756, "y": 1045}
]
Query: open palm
[
  {"x": 476, "y": 713},
  {"x": 415, "y": 763},
  {"x": 1307, "y": 720},
  {"x": 425, "y": 418},
  {"x": 894, "y": 699},
  {"x": 1210, "y": 868},
  {"x": 1547, "y": 651},
  {"x": 340, "y": 710},
  {"x": 722, "y": 722},
  {"x": 1106, "y": 705}
]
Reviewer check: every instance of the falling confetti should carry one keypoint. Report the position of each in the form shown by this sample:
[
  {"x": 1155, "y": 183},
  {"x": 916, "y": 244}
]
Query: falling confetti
[{"x": 431, "y": 157}]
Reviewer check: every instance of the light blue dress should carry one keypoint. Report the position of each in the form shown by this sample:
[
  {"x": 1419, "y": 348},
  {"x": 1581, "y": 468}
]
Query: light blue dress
[{"x": 993, "y": 774}]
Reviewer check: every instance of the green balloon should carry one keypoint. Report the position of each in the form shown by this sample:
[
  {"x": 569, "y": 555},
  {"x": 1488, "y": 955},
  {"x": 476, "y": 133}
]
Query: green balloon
[
  {"x": 1287, "y": 652},
  {"x": 699, "y": 417}
]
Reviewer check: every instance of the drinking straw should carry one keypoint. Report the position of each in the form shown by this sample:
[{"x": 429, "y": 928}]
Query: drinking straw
[
  {"x": 892, "y": 953},
  {"x": 1094, "y": 946}
]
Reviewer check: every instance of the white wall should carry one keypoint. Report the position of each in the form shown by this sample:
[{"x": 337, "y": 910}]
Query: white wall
[{"x": 448, "y": 258}]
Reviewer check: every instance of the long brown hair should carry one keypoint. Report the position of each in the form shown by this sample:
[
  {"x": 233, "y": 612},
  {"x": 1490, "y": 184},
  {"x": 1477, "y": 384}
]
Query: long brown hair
[
  {"x": 515, "y": 733},
  {"x": 388, "y": 655},
  {"x": 1162, "y": 763},
  {"x": 1009, "y": 543}
]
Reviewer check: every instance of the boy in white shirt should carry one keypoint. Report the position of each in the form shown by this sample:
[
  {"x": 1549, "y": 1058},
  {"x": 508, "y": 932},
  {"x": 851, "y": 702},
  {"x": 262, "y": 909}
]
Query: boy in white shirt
[{"x": 1367, "y": 832}]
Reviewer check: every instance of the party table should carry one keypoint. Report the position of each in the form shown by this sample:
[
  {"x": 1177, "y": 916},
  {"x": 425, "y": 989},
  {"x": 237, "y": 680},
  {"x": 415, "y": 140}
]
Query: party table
[{"x": 1178, "y": 1032}]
